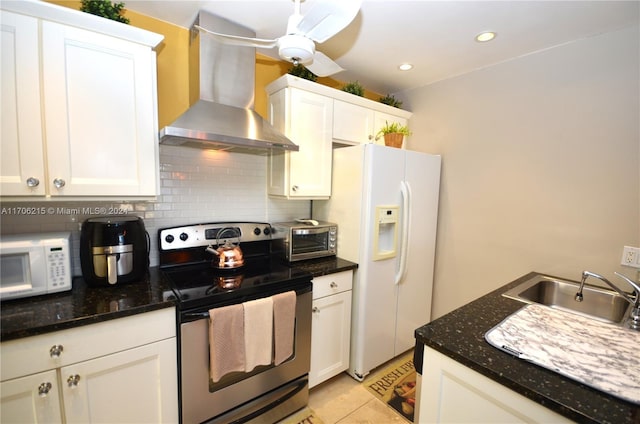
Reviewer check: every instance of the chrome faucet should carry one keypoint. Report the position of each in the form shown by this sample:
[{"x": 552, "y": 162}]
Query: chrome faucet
[{"x": 633, "y": 321}]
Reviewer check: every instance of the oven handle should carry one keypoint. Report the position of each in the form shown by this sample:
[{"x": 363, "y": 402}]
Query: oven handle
[
  {"x": 193, "y": 316},
  {"x": 197, "y": 315}
]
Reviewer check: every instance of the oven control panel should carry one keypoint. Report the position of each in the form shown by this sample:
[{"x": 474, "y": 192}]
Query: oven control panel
[{"x": 199, "y": 235}]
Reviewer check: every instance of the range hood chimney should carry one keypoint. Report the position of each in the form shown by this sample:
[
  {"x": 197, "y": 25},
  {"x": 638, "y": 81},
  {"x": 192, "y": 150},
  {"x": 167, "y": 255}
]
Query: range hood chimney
[{"x": 223, "y": 118}]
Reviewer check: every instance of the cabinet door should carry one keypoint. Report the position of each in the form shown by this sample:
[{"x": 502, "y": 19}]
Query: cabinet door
[
  {"x": 31, "y": 399},
  {"x": 311, "y": 126},
  {"x": 133, "y": 386},
  {"x": 306, "y": 118},
  {"x": 352, "y": 123},
  {"x": 100, "y": 119},
  {"x": 330, "y": 335},
  {"x": 22, "y": 159},
  {"x": 446, "y": 385}
]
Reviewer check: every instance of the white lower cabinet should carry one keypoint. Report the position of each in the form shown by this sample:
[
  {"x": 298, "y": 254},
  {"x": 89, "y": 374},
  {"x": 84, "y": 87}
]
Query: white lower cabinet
[
  {"x": 331, "y": 326},
  {"x": 449, "y": 392},
  {"x": 31, "y": 399},
  {"x": 119, "y": 371}
]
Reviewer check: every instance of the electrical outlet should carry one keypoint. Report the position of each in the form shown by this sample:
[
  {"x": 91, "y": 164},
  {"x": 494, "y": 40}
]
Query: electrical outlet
[{"x": 631, "y": 256}]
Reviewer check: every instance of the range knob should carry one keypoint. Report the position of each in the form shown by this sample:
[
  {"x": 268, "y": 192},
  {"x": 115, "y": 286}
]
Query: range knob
[
  {"x": 169, "y": 238},
  {"x": 256, "y": 231},
  {"x": 184, "y": 236},
  {"x": 267, "y": 231}
]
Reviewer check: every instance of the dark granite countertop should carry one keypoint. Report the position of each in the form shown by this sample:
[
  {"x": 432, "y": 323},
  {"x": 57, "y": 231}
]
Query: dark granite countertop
[
  {"x": 460, "y": 336},
  {"x": 85, "y": 305},
  {"x": 324, "y": 266},
  {"x": 82, "y": 305}
]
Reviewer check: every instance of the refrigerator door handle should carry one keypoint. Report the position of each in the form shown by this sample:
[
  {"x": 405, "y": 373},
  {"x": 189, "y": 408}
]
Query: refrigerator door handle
[{"x": 405, "y": 190}]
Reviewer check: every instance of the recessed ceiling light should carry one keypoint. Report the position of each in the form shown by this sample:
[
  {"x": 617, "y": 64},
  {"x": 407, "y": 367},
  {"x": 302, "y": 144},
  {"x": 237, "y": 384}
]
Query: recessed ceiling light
[
  {"x": 405, "y": 66},
  {"x": 485, "y": 36}
]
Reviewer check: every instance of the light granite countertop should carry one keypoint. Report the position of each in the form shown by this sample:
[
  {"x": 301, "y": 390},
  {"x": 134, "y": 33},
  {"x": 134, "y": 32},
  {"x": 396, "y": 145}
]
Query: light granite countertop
[
  {"x": 460, "y": 335},
  {"x": 600, "y": 355}
]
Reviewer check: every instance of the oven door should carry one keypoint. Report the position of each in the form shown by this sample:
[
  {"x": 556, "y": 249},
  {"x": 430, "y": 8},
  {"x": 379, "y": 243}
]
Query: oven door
[{"x": 244, "y": 397}]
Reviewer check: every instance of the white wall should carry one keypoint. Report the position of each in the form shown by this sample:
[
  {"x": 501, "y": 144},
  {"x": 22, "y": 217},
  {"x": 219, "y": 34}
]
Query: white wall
[
  {"x": 196, "y": 186},
  {"x": 541, "y": 165}
]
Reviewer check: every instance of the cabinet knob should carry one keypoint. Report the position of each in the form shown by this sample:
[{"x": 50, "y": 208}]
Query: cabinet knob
[
  {"x": 55, "y": 351},
  {"x": 43, "y": 389},
  {"x": 315, "y": 310},
  {"x": 59, "y": 183},
  {"x": 294, "y": 188},
  {"x": 73, "y": 381},
  {"x": 333, "y": 285},
  {"x": 33, "y": 182},
  {"x": 371, "y": 137}
]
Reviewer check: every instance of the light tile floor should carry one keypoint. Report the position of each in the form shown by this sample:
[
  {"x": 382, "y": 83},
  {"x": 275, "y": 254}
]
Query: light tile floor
[{"x": 343, "y": 400}]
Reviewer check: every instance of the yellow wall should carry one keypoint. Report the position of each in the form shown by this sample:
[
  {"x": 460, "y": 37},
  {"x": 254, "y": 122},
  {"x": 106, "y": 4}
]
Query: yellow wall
[{"x": 178, "y": 67}]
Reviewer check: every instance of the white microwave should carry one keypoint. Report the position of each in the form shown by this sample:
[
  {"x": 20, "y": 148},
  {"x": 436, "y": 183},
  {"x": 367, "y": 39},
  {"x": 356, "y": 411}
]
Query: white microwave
[{"x": 34, "y": 264}]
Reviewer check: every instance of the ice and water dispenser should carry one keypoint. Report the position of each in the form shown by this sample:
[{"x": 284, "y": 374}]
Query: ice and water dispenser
[{"x": 385, "y": 237}]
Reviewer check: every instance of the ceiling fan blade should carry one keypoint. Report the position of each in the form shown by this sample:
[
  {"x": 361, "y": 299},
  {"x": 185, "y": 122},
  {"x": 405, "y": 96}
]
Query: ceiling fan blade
[
  {"x": 236, "y": 40},
  {"x": 322, "y": 66},
  {"x": 325, "y": 19}
]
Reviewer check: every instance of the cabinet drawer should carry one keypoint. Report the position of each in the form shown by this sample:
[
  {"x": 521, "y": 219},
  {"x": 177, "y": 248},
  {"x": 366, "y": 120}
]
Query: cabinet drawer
[
  {"x": 326, "y": 285},
  {"x": 32, "y": 354}
]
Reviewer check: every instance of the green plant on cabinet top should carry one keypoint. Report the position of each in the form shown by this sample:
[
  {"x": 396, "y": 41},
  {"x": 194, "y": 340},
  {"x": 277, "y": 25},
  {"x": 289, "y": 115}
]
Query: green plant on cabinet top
[
  {"x": 354, "y": 88},
  {"x": 105, "y": 8},
  {"x": 390, "y": 100}
]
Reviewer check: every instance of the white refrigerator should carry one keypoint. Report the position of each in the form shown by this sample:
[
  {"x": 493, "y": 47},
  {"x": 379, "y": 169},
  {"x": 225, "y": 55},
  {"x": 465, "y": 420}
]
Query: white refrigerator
[{"x": 385, "y": 201}]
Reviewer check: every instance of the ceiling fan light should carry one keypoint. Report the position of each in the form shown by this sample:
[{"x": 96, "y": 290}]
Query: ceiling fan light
[
  {"x": 296, "y": 47},
  {"x": 485, "y": 36}
]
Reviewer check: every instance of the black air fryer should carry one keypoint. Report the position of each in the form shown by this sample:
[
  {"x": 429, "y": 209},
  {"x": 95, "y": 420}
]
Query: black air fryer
[{"x": 114, "y": 250}]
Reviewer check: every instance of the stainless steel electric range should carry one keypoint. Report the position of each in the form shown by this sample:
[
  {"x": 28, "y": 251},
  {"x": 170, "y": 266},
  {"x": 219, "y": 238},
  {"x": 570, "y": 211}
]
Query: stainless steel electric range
[{"x": 201, "y": 281}]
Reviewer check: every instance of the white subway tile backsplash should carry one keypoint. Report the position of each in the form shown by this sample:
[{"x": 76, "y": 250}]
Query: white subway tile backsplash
[{"x": 195, "y": 186}]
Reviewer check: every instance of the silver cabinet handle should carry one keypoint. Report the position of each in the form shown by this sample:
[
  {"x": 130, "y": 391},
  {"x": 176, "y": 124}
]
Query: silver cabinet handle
[
  {"x": 43, "y": 389},
  {"x": 333, "y": 285},
  {"x": 59, "y": 182},
  {"x": 370, "y": 136},
  {"x": 55, "y": 351},
  {"x": 315, "y": 310},
  {"x": 295, "y": 188},
  {"x": 33, "y": 182},
  {"x": 73, "y": 381}
]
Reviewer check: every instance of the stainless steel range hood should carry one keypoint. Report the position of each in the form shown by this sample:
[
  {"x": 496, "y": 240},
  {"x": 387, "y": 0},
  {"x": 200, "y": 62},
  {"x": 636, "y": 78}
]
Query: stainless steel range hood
[{"x": 223, "y": 118}]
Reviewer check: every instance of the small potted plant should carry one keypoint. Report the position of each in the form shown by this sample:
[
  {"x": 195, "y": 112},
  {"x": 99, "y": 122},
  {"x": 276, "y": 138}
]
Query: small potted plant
[{"x": 393, "y": 133}]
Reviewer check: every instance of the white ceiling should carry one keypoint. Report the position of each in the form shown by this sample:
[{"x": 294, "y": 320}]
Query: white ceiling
[{"x": 437, "y": 37}]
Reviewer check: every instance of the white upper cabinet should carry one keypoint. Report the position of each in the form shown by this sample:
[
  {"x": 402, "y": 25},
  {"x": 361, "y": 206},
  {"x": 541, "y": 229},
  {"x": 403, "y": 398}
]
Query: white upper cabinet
[
  {"x": 22, "y": 158},
  {"x": 306, "y": 118},
  {"x": 355, "y": 124},
  {"x": 82, "y": 106},
  {"x": 352, "y": 123},
  {"x": 318, "y": 118}
]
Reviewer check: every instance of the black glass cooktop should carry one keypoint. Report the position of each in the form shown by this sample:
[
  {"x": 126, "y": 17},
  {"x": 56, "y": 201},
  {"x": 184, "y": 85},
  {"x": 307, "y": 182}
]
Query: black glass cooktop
[{"x": 203, "y": 286}]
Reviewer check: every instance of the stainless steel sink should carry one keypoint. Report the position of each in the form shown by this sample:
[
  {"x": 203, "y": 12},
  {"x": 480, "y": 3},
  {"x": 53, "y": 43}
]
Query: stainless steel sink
[{"x": 599, "y": 303}]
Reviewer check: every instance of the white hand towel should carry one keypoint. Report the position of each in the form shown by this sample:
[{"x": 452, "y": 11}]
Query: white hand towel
[
  {"x": 258, "y": 332},
  {"x": 284, "y": 318},
  {"x": 226, "y": 341}
]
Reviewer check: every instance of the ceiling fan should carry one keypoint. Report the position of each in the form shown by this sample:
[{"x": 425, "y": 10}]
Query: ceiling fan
[{"x": 324, "y": 20}]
